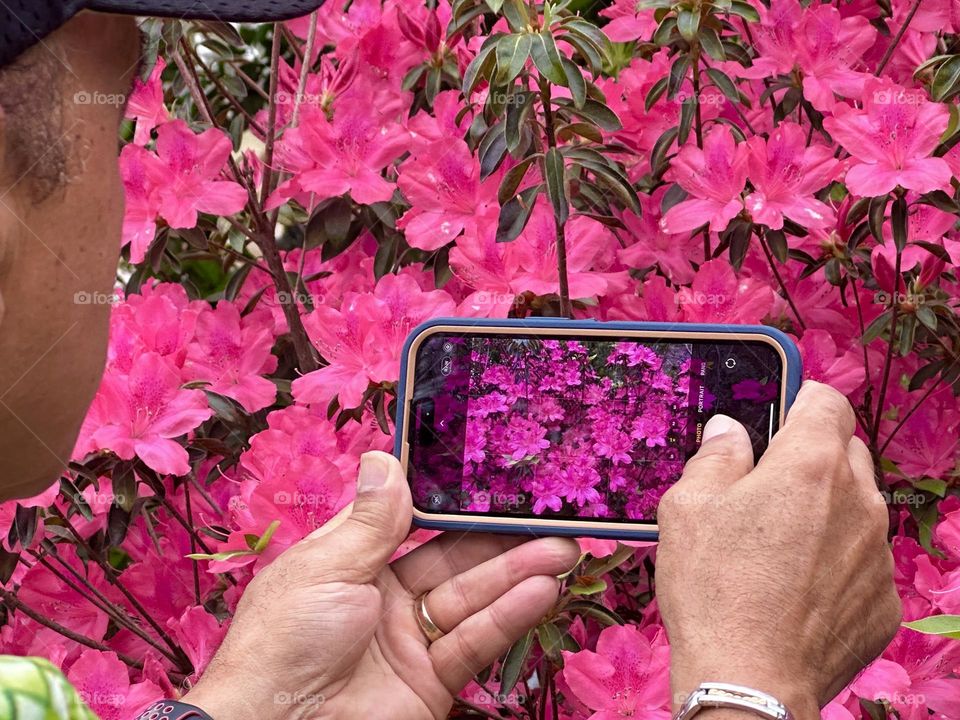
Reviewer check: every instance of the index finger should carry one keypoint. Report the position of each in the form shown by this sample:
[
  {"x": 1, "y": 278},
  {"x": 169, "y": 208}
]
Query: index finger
[
  {"x": 820, "y": 410},
  {"x": 818, "y": 429}
]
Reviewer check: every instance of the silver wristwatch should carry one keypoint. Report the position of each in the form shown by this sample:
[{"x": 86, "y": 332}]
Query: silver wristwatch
[{"x": 723, "y": 695}]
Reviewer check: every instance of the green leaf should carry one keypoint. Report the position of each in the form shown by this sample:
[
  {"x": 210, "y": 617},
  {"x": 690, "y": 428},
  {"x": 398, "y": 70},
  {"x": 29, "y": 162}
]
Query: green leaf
[
  {"x": 616, "y": 181},
  {"x": 744, "y": 10},
  {"x": 688, "y": 111},
  {"x": 512, "y": 53},
  {"x": 513, "y": 663},
  {"x": 492, "y": 150},
  {"x": 603, "y": 565},
  {"x": 264, "y": 540},
  {"x": 933, "y": 485},
  {"x": 921, "y": 376},
  {"x": 513, "y": 178},
  {"x": 460, "y": 22},
  {"x": 945, "y": 80},
  {"x": 220, "y": 555},
  {"x": 517, "y": 111},
  {"x": 593, "y": 587},
  {"x": 724, "y": 84},
  {"x": 553, "y": 173},
  {"x": 664, "y": 32},
  {"x": 547, "y": 58},
  {"x": 943, "y": 625},
  {"x": 777, "y": 241},
  {"x": 710, "y": 42},
  {"x": 480, "y": 67},
  {"x": 515, "y": 214},
  {"x": 876, "y": 328},
  {"x": 590, "y": 53},
  {"x": 597, "y": 113},
  {"x": 655, "y": 93},
  {"x": 595, "y": 610},
  {"x": 583, "y": 129},
  {"x": 551, "y": 640},
  {"x": 898, "y": 219},
  {"x": 927, "y": 317},
  {"x": 516, "y": 14},
  {"x": 678, "y": 73},
  {"x": 876, "y": 214},
  {"x": 575, "y": 81},
  {"x": 688, "y": 23},
  {"x": 494, "y": 5},
  {"x": 411, "y": 79}
]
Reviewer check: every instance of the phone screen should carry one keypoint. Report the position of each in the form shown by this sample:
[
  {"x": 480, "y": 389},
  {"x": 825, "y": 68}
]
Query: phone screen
[{"x": 532, "y": 425}]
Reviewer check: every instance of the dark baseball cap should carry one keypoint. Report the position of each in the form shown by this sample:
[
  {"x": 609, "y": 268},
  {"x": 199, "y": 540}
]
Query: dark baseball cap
[{"x": 26, "y": 22}]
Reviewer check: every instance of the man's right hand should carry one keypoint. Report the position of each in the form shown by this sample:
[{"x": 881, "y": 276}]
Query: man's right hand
[{"x": 777, "y": 577}]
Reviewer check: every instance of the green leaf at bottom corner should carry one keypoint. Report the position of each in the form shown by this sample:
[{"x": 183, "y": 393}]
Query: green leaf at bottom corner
[
  {"x": 942, "y": 625},
  {"x": 597, "y": 586},
  {"x": 554, "y": 169}
]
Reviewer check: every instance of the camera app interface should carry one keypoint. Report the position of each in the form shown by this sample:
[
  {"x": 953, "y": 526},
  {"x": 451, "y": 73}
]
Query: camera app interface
[{"x": 555, "y": 426}]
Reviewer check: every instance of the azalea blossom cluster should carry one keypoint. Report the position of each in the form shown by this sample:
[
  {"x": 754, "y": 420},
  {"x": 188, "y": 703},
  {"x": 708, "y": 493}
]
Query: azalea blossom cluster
[
  {"x": 547, "y": 421},
  {"x": 788, "y": 163}
]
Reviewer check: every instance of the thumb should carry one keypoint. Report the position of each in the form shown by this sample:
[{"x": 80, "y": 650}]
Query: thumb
[
  {"x": 725, "y": 455},
  {"x": 356, "y": 544}
]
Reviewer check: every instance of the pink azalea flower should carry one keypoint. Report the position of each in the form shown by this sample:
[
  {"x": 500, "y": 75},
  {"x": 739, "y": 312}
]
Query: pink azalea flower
[
  {"x": 346, "y": 155},
  {"x": 184, "y": 174},
  {"x": 100, "y": 679},
  {"x": 232, "y": 354},
  {"x": 590, "y": 251},
  {"x": 145, "y": 104},
  {"x": 442, "y": 183},
  {"x": 714, "y": 176},
  {"x": 626, "y": 677},
  {"x": 628, "y": 21},
  {"x": 653, "y": 246},
  {"x": 817, "y": 40},
  {"x": 139, "y": 414},
  {"x": 824, "y": 362},
  {"x": 140, "y": 205},
  {"x": 785, "y": 173},
  {"x": 717, "y": 295},
  {"x": 926, "y": 445},
  {"x": 362, "y": 340},
  {"x": 891, "y": 140}
]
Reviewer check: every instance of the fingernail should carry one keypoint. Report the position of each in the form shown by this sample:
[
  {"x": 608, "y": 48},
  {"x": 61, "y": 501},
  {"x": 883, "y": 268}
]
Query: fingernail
[
  {"x": 717, "y": 425},
  {"x": 373, "y": 472}
]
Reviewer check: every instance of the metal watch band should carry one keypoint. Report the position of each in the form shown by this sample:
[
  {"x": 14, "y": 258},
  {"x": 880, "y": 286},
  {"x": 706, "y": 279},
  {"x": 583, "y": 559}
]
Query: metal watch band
[
  {"x": 173, "y": 710},
  {"x": 725, "y": 695}
]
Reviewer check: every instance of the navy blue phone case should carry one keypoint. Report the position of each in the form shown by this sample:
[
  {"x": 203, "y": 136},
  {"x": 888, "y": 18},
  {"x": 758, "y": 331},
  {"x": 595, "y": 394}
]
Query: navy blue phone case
[{"x": 794, "y": 370}]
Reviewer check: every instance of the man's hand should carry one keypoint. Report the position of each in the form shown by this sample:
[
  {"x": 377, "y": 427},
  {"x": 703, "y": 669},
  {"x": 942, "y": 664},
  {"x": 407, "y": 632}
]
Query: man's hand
[
  {"x": 780, "y": 577},
  {"x": 329, "y": 630}
]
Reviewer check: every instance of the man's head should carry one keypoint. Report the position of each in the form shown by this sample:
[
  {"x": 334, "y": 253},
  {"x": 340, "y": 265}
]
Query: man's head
[{"x": 62, "y": 71}]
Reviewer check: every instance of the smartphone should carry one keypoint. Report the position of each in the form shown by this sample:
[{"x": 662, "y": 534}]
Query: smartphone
[{"x": 574, "y": 427}]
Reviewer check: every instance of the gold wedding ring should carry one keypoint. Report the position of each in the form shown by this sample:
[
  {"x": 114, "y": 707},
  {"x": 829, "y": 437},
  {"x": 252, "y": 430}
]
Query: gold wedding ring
[{"x": 428, "y": 626}]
